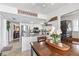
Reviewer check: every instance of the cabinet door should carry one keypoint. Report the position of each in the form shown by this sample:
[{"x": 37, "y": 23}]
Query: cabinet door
[
  {"x": 33, "y": 39},
  {"x": 26, "y": 43}
]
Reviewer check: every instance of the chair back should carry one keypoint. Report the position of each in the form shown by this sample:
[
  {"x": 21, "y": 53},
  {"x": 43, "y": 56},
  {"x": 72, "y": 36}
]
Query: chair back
[{"x": 42, "y": 38}]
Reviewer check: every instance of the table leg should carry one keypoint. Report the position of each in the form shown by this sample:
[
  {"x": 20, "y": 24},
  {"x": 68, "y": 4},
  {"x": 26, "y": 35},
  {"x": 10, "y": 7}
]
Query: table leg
[{"x": 31, "y": 51}]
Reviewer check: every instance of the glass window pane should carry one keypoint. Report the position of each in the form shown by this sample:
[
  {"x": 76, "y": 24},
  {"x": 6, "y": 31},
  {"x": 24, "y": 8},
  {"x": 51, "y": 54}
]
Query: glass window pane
[{"x": 75, "y": 25}]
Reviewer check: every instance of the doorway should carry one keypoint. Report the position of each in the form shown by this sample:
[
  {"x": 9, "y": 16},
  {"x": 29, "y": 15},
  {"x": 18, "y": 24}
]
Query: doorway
[
  {"x": 14, "y": 40},
  {"x": 16, "y": 32}
]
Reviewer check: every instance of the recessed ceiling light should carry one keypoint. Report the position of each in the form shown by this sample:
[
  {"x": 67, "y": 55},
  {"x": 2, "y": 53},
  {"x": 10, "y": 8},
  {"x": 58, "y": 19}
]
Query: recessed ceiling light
[
  {"x": 44, "y": 5},
  {"x": 52, "y": 3}
]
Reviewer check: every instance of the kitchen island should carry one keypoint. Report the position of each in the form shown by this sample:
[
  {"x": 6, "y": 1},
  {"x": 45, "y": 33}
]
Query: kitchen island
[{"x": 26, "y": 40}]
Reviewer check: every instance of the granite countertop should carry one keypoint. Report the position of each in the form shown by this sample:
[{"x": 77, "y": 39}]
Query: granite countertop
[{"x": 33, "y": 35}]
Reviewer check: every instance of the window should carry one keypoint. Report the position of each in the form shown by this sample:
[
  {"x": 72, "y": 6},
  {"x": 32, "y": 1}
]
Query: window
[{"x": 75, "y": 25}]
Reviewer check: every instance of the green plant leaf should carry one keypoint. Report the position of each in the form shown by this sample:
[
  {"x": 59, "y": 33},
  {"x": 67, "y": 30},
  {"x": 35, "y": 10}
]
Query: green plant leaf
[{"x": 8, "y": 25}]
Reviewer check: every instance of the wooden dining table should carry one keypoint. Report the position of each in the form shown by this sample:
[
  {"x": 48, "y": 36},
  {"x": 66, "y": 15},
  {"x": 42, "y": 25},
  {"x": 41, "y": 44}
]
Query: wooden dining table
[{"x": 43, "y": 49}]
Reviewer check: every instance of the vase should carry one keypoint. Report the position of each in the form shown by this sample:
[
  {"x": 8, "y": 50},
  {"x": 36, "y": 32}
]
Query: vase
[{"x": 57, "y": 40}]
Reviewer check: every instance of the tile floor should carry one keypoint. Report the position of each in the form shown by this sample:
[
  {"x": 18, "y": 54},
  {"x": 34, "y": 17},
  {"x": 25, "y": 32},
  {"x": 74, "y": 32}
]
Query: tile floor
[{"x": 16, "y": 50}]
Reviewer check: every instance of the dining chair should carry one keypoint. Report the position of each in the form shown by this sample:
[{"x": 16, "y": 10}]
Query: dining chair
[{"x": 41, "y": 38}]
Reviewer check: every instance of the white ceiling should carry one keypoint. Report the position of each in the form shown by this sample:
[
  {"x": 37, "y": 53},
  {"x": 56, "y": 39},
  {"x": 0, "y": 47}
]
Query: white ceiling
[
  {"x": 43, "y": 8},
  {"x": 19, "y": 18},
  {"x": 75, "y": 12}
]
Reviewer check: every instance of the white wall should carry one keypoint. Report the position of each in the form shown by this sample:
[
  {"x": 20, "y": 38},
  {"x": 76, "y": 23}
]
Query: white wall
[
  {"x": 0, "y": 34},
  {"x": 4, "y": 33}
]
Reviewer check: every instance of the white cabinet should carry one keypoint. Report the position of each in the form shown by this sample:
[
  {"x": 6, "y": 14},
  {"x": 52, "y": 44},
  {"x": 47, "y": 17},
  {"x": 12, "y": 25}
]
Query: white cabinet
[
  {"x": 33, "y": 39},
  {"x": 0, "y": 34},
  {"x": 26, "y": 42}
]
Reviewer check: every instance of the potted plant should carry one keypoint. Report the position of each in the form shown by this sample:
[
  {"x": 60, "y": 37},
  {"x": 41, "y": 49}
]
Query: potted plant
[
  {"x": 8, "y": 28},
  {"x": 56, "y": 36}
]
